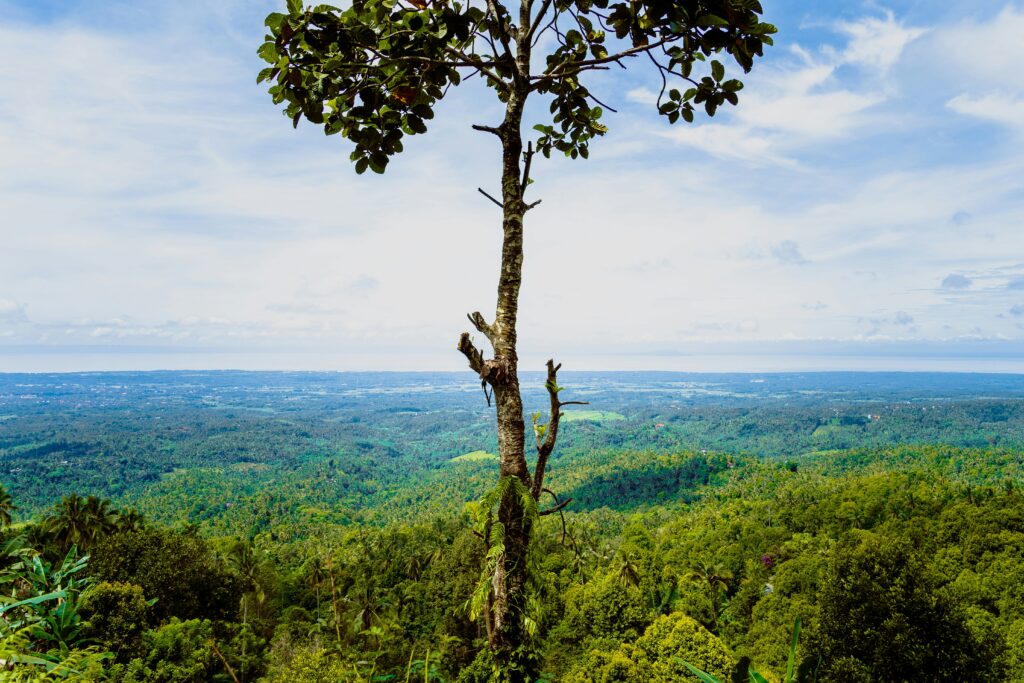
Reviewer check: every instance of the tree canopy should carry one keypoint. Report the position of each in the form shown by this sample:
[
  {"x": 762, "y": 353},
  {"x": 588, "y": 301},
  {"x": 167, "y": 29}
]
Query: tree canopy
[{"x": 375, "y": 71}]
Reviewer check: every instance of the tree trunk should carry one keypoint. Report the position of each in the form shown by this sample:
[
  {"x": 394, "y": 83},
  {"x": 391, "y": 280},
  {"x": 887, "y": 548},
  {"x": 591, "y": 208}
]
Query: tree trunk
[
  {"x": 506, "y": 601},
  {"x": 510, "y": 577}
]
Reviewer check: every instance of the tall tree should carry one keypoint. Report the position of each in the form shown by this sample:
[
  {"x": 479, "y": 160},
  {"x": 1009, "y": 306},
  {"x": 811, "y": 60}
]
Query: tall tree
[
  {"x": 6, "y": 508},
  {"x": 374, "y": 70}
]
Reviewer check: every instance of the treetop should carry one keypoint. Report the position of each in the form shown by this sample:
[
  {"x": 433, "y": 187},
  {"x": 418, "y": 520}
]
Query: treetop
[{"x": 374, "y": 70}]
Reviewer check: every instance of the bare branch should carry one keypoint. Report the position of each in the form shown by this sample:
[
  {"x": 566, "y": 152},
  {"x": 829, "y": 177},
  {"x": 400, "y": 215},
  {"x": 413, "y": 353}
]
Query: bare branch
[
  {"x": 500, "y": 205},
  {"x": 591, "y": 96},
  {"x": 540, "y": 16},
  {"x": 486, "y": 129},
  {"x": 556, "y": 508},
  {"x": 565, "y": 528},
  {"x": 481, "y": 325},
  {"x": 526, "y": 166},
  {"x": 545, "y": 447},
  {"x": 472, "y": 354}
]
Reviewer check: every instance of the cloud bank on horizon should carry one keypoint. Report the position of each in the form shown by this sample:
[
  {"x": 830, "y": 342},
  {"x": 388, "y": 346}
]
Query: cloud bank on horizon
[{"x": 865, "y": 196}]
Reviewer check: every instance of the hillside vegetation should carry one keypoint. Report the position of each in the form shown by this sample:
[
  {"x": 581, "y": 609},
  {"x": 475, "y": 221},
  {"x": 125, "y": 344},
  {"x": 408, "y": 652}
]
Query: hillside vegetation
[{"x": 342, "y": 543}]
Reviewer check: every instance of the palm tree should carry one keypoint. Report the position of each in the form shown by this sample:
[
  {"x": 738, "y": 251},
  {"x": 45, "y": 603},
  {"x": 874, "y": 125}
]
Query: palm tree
[
  {"x": 78, "y": 521},
  {"x": 316, "y": 573},
  {"x": 367, "y": 606},
  {"x": 6, "y": 507},
  {"x": 102, "y": 517},
  {"x": 715, "y": 577},
  {"x": 69, "y": 523},
  {"x": 242, "y": 558},
  {"x": 629, "y": 573},
  {"x": 131, "y": 520}
]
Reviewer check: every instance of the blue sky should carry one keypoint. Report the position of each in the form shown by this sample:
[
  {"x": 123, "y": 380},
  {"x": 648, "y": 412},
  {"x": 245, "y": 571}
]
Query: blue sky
[{"x": 862, "y": 207}]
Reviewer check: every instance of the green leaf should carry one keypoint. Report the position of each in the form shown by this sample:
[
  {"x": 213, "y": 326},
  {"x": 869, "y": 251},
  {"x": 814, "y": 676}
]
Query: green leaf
[
  {"x": 35, "y": 600},
  {"x": 706, "y": 678},
  {"x": 268, "y": 53},
  {"x": 423, "y": 111},
  {"x": 378, "y": 162},
  {"x": 712, "y": 20},
  {"x": 416, "y": 124},
  {"x": 792, "y": 651},
  {"x": 717, "y": 70},
  {"x": 274, "y": 21}
]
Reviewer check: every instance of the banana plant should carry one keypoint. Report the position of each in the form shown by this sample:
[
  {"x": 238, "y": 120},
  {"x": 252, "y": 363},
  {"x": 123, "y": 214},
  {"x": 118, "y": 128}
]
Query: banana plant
[{"x": 50, "y": 613}]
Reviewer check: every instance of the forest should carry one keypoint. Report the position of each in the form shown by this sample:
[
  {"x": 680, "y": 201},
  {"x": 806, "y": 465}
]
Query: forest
[{"x": 180, "y": 529}]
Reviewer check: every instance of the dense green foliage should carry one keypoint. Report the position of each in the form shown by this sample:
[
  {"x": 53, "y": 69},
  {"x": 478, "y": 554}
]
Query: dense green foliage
[
  {"x": 239, "y": 453},
  {"x": 902, "y": 565},
  {"x": 903, "y": 562}
]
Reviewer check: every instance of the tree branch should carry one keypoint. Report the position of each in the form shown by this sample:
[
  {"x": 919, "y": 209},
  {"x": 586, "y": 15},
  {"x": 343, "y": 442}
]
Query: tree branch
[
  {"x": 486, "y": 129},
  {"x": 565, "y": 528},
  {"x": 547, "y": 445},
  {"x": 481, "y": 191},
  {"x": 216, "y": 651},
  {"x": 567, "y": 68},
  {"x": 599, "y": 102},
  {"x": 481, "y": 66},
  {"x": 481, "y": 325},
  {"x": 472, "y": 354},
  {"x": 556, "y": 508},
  {"x": 492, "y": 8},
  {"x": 528, "y": 156},
  {"x": 540, "y": 16}
]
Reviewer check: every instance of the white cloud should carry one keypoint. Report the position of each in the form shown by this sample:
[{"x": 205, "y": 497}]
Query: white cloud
[
  {"x": 998, "y": 107},
  {"x": 804, "y": 103},
  {"x": 731, "y": 142},
  {"x": 986, "y": 80},
  {"x": 642, "y": 96},
  {"x": 984, "y": 53},
  {"x": 12, "y": 312},
  {"x": 177, "y": 207},
  {"x": 876, "y": 43}
]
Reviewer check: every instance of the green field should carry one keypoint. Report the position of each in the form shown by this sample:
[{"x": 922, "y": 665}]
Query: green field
[
  {"x": 591, "y": 416},
  {"x": 475, "y": 456}
]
